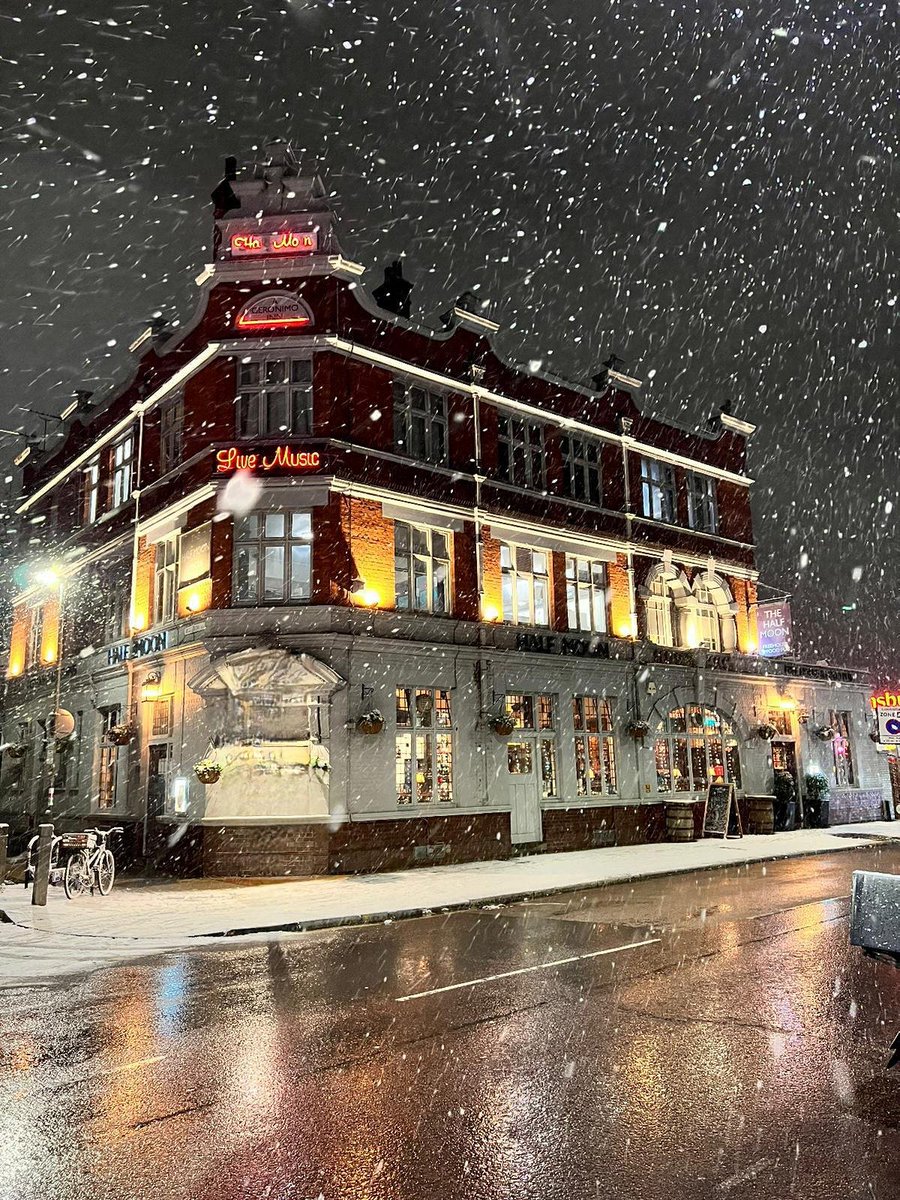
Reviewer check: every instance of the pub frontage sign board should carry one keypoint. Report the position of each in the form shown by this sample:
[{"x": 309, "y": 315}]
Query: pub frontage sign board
[
  {"x": 235, "y": 458},
  {"x": 720, "y": 812},
  {"x": 138, "y": 647},
  {"x": 274, "y": 310},
  {"x": 773, "y": 622}
]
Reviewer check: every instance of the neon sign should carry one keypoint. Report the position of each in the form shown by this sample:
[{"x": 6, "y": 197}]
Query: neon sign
[
  {"x": 284, "y": 241},
  {"x": 885, "y": 699},
  {"x": 274, "y": 310},
  {"x": 234, "y": 459}
]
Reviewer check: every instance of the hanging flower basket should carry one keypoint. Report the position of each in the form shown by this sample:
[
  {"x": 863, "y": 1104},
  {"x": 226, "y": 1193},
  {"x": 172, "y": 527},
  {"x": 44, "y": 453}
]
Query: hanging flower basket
[
  {"x": 503, "y": 725},
  {"x": 208, "y": 770},
  {"x": 826, "y": 733},
  {"x": 370, "y": 722},
  {"x": 767, "y": 732},
  {"x": 120, "y": 735},
  {"x": 18, "y": 751},
  {"x": 638, "y": 730}
]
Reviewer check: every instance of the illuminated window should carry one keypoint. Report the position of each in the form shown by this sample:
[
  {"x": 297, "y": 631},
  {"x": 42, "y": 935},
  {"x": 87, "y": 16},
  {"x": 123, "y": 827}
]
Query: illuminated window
[
  {"x": 273, "y": 558},
  {"x": 421, "y": 568},
  {"x": 662, "y": 621},
  {"x": 844, "y": 774},
  {"x": 525, "y": 577},
  {"x": 420, "y": 422},
  {"x": 586, "y": 594},
  {"x": 694, "y": 747},
  {"x": 658, "y": 490},
  {"x": 706, "y": 616},
  {"x": 780, "y": 719},
  {"x": 161, "y": 719},
  {"x": 165, "y": 579},
  {"x": 35, "y": 637},
  {"x": 534, "y": 714},
  {"x": 274, "y": 397},
  {"x": 702, "y": 509},
  {"x": 424, "y": 746},
  {"x": 122, "y": 463},
  {"x": 520, "y": 452},
  {"x": 171, "y": 425},
  {"x": 108, "y": 760},
  {"x": 90, "y": 492},
  {"x": 582, "y": 461},
  {"x": 595, "y": 750}
]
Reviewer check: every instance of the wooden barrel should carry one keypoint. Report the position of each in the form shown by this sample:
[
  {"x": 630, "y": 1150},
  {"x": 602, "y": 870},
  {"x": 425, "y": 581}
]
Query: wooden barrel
[
  {"x": 760, "y": 814},
  {"x": 680, "y": 822}
]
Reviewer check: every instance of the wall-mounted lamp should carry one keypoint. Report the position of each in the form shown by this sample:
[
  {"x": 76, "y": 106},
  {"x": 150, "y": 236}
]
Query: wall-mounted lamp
[
  {"x": 369, "y": 597},
  {"x": 150, "y": 688},
  {"x": 490, "y": 612}
]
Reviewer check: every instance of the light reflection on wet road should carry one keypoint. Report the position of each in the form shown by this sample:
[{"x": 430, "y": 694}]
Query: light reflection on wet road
[{"x": 738, "y": 1053}]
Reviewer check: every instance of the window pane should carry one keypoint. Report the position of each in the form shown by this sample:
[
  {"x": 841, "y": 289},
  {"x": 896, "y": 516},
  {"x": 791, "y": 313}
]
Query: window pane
[
  {"x": 444, "y": 744},
  {"x": 571, "y": 609},
  {"x": 301, "y": 525},
  {"x": 424, "y": 769},
  {"x": 246, "y": 571},
  {"x": 404, "y": 710},
  {"x": 548, "y": 768},
  {"x": 420, "y": 585},
  {"x": 403, "y": 770},
  {"x": 541, "y": 602},
  {"x": 274, "y": 525},
  {"x": 276, "y": 411},
  {"x": 442, "y": 709},
  {"x": 300, "y": 572},
  {"x": 584, "y": 608},
  {"x": 663, "y": 766},
  {"x": 246, "y": 528},
  {"x": 440, "y": 588},
  {"x": 519, "y": 758},
  {"x": 401, "y": 582},
  {"x": 523, "y": 600},
  {"x": 273, "y": 585},
  {"x": 508, "y": 607},
  {"x": 424, "y": 714},
  {"x": 301, "y": 370}
]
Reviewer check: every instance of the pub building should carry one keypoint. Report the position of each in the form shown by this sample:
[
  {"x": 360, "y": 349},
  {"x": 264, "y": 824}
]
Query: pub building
[{"x": 321, "y": 589}]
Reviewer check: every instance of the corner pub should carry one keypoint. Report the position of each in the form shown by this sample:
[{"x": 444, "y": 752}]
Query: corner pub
[{"x": 331, "y": 591}]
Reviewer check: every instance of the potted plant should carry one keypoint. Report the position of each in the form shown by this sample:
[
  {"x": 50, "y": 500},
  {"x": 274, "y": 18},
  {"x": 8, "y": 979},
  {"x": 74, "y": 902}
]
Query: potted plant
[
  {"x": 502, "y": 724},
  {"x": 120, "y": 735},
  {"x": 638, "y": 730},
  {"x": 319, "y": 762},
  {"x": 785, "y": 790},
  {"x": 208, "y": 770},
  {"x": 767, "y": 732},
  {"x": 817, "y": 802},
  {"x": 370, "y": 722},
  {"x": 826, "y": 733}
]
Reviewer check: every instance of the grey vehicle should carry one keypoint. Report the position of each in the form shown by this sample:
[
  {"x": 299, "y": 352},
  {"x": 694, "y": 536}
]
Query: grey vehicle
[{"x": 875, "y": 924}]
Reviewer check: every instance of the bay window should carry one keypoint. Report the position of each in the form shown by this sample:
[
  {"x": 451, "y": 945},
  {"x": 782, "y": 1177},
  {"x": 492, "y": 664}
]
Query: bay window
[
  {"x": 421, "y": 569},
  {"x": 586, "y": 594},
  {"x": 694, "y": 747},
  {"x": 273, "y": 558},
  {"x": 424, "y": 746},
  {"x": 525, "y": 576}
]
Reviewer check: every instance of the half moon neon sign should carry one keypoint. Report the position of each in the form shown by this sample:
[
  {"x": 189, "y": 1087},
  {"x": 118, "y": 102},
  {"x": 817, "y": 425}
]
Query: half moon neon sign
[
  {"x": 274, "y": 310},
  {"x": 283, "y": 241}
]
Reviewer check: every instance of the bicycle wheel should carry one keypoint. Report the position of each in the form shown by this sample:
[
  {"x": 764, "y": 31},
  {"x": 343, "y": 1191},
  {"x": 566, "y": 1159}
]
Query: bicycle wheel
[
  {"x": 77, "y": 879},
  {"x": 106, "y": 872}
]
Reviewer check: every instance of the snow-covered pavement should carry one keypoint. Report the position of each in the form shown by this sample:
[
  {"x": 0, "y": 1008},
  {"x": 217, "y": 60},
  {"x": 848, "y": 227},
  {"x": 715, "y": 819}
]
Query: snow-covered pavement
[{"x": 138, "y": 918}]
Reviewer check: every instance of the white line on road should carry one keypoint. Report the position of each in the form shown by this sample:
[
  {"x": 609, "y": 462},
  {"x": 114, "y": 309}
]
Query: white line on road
[{"x": 558, "y": 962}]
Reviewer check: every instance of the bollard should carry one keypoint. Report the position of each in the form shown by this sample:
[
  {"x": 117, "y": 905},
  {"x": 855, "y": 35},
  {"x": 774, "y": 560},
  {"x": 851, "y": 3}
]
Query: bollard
[
  {"x": 42, "y": 866},
  {"x": 4, "y": 848}
]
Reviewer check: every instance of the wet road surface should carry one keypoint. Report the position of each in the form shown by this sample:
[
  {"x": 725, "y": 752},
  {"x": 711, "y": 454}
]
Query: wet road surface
[{"x": 706, "y": 1035}]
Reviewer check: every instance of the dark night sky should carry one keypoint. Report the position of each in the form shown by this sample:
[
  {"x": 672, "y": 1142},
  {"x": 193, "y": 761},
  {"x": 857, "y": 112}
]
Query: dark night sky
[{"x": 702, "y": 188}]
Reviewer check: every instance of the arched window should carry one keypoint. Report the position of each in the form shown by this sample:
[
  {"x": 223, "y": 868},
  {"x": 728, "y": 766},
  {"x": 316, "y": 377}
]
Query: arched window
[
  {"x": 710, "y": 617},
  {"x": 695, "y": 746},
  {"x": 662, "y": 620}
]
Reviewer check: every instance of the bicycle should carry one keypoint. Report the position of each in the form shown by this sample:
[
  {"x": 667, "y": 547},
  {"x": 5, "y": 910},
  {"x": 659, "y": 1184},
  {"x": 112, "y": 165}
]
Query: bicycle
[{"x": 92, "y": 863}]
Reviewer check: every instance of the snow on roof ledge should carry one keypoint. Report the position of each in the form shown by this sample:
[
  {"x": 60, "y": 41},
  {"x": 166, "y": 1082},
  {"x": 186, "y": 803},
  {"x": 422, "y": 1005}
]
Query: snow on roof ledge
[{"x": 736, "y": 425}]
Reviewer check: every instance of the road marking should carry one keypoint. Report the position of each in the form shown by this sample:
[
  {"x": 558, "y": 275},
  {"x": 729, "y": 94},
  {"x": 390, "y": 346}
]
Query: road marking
[{"x": 557, "y": 962}]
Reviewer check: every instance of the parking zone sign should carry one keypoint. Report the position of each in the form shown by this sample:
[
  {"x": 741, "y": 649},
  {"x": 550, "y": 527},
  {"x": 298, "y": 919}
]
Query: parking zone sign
[{"x": 889, "y": 725}]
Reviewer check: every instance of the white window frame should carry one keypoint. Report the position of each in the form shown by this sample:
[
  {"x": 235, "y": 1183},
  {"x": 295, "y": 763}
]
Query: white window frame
[
  {"x": 420, "y": 422},
  {"x": 521, "y": 458},
  {"x": 706, "y": 617},
  {"x": 418, "y": 561},
  {"x": 90, "y": 491},
  {"x": 165, "y": 579},
  {"x": 659, "y": 495},
  {"x": 122, "y": 467},
  {"x": 520, "y": 581},
  {"x": 662, "y": 617},
  {"x": 429, "y": 730},
  {"x": 587, "y": 594},
  {"x": 290, "y": 542},
  {"x": 703, "y": 511},
  {"x": 275, "y": 374},
  {"x": 586, "y": 740}
]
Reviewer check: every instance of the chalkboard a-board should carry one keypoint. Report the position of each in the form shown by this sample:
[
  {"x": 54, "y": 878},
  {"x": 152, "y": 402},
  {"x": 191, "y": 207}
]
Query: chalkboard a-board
[{"x": 720, "y": 814}]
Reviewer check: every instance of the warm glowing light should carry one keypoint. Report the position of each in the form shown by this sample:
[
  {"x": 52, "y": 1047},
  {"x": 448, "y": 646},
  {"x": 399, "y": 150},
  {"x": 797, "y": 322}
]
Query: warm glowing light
[
  {"x": 284, "y": 241},
  {"x": 234, "y": 459},
  {"x": 752, "y": 647},
  {"x": 624, "y": 630},
  {"x": 193, "y": 602},
  {"x": 48, "y": 577},
  {"x": 369, "y": 597},
  {"x": 49, "y": 656},
  {"x": 138, "y": 622},
  {"x": 787, "y": 705},
  {"x": 490, "y": 612},
  {"x": 15, "y": 669}
]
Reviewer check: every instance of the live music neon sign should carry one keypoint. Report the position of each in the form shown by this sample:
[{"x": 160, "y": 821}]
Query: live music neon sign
[
  {"x": 274, "y": 310},
  {"x": 283, "y": 458},
  {"x": 284, "y": 241}
]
